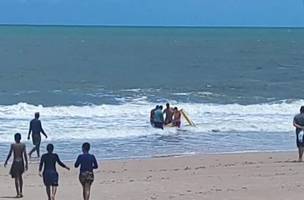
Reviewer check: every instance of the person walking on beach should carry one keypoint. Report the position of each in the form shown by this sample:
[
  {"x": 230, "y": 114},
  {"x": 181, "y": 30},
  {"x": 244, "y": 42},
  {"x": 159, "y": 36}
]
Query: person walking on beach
[
  {"x": 298, "y": 123},
  {"x": 17, "y": 168},
  {"x": 169, "y": 114},
  {"x": 87, "y": 163},
  {"x": 36, "y": 129},
  {"x": 50, "y": 175}
]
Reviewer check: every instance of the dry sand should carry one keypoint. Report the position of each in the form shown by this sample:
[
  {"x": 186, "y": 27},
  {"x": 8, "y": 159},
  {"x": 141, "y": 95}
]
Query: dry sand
[{"x": 231, "y": 176}]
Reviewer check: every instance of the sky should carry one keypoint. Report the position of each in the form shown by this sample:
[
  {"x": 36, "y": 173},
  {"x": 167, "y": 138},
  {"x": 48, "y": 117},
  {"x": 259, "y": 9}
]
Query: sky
[{"x": 273, "y": 13}]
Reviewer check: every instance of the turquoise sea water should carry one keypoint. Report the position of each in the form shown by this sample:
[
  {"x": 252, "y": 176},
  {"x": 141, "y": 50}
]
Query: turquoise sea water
[{"x": 241, "y": 86}]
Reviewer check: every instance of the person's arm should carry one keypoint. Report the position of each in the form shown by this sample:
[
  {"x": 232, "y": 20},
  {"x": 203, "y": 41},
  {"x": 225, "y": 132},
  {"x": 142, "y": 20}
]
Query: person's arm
[
  {"x": 297, "y": 125},
  {"x": 30, "y": 130},
  {"x": 162, "y": 118},
  {"x": 61, "y": 163},
  {"x": 41, "y": 165},
  {"x": 9, "y": 155},
  {"x": 25, "y": 158},
  {"x": 95, "y": 164},
  {"x": 42, "y": 131},
  {"x": 77, "y": 163}
]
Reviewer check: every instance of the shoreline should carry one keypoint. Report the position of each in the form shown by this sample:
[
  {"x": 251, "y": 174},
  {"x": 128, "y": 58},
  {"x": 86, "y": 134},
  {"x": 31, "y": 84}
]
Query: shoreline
[
  {"x": 222, "y": 176},
  {"x": 177, "y": 155}
]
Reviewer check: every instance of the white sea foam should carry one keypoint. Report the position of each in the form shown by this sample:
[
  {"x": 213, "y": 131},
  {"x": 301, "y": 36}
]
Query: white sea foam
[{"x": 132, "y": 119}]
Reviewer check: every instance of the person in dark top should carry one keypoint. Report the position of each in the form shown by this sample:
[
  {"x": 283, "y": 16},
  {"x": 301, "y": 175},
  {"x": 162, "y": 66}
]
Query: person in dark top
[
  {"x": 87, "y": 163},
  {"x": 50, "y": 175},
  {"x": 152, "y": 115},
  {"x": 159, "y": 118},
  {"x": 298, "y": 123},
  {"x": 17, "y": 167},
  {"x": 36, "y": 129}
]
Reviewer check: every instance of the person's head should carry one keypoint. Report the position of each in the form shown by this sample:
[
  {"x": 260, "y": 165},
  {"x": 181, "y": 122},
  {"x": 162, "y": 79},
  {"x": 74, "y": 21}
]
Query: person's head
[
  {"x": 160, "y": 107},
  {"x": 17, "y": 137},
  {"x": 50, "y": 148},
  {"x": 167, "y": 105},
  {"x": 175, "y": 109},
  {"x": 302, "y": 109},
  {"x": 37, "y": 115},
  {"x": 156, "y": 107},
  {"x": 86, "y": 147}
]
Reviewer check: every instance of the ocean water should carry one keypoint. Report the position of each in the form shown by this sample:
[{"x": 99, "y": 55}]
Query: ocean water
[{"x": 241, "y": 87}]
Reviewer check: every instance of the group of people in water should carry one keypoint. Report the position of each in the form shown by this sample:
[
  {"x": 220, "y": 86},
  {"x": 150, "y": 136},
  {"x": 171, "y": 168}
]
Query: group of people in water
[
  {"x": 47, "y": 167},
  {"x": 172, "y": 117}
]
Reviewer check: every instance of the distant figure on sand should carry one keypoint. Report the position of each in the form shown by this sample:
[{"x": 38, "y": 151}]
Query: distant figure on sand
[
  {"x": 17, "y": 167},
  {"x": 87, "y": 163},
  {"x": 298, "y": 123},
  {"x": 177, "y": 118},
  {"x": 152, "y": 115},
  {"x": 169, "y": 114},
  {"x": 159, "y": 118},
  {"x": 50, "y": 175},
  {"x": 36, "y": 129}
]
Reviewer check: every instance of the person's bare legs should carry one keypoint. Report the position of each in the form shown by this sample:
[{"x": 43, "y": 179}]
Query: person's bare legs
[
  {"x": 48, "y": 192},
  {"x": 32, "y": 151},
  {"x": 17, "y": 185},
  {"x": 21, "y": 185},
  {"x": 54, "y": 190},
  {"x": 38, "y": 150},
  {"x": 87, "y": 191},
  {"x": 301, "y": 149}
]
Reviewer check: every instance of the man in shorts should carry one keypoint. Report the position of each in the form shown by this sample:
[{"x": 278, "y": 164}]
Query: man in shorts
[
  {"x": 36, "y": 129},
  {"x": 298, "y": 123},
  {"x": 17, "y": 168}
]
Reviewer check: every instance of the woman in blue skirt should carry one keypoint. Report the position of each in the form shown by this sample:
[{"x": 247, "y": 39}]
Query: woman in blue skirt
[{"x": 50, "y": 175}]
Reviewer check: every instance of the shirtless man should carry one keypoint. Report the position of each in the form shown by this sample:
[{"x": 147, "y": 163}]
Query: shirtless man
[
  {"x": 17, "y": 167},
  {"x": 169, "y": 114},
  {"x": 36, "y": 129},
  {"x": 177, "y": 118}
]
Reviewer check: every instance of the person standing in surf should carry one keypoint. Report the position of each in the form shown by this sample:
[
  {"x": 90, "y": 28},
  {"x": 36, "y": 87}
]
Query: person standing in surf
[
  {"x": 177, "y": 117},
  {"x": 87, "y": 163},
  {"x": 159, "y": 118},
  {"x": 169, "y": 114},
  {"x": 35, "y": 129},
  {"x": 50, "y": 175},
  {"x": 17, "y": 168},
  {"x": 152, "y": 115},
  {"x": 298, "y": 123}
]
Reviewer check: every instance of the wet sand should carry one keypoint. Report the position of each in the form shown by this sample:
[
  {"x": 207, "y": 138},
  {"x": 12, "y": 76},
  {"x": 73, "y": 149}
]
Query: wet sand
[{"x": 230, "y": 176}]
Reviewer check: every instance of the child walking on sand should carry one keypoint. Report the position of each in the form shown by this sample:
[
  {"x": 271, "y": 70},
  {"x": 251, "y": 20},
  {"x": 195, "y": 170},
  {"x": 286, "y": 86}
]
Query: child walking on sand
[
  {"x": 87, "y": 163},
  {"x": 50, "y": 175},
  {"x": 17, "y": 167}
]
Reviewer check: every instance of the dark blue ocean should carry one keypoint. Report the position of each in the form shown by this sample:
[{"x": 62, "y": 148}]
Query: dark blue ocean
[{"x": 241, "y": 86}]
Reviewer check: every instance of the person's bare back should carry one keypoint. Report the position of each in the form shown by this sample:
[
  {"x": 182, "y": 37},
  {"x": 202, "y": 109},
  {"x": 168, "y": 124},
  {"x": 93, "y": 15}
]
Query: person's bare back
[{"x": 19, "y": 151}]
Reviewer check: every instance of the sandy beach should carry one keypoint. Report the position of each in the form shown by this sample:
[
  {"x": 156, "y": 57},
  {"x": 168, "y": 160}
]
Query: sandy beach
[{"x": 230, "y": 176}]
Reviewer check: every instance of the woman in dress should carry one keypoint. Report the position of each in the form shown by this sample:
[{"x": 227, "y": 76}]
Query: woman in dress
[{"x": 50, "y": 175}]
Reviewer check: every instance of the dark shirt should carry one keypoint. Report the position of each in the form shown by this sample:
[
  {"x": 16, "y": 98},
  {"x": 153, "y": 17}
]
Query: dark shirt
[
  {"x": 87, "y": 162},
  {"x": 49, "y": 161},
  {"x": 36, "y": 127},
  {"x": 299, "y": 119}
]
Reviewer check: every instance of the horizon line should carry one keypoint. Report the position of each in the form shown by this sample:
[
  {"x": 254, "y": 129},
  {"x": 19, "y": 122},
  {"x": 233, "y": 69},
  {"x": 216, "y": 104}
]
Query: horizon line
[{"x": 150, "y": 26}]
